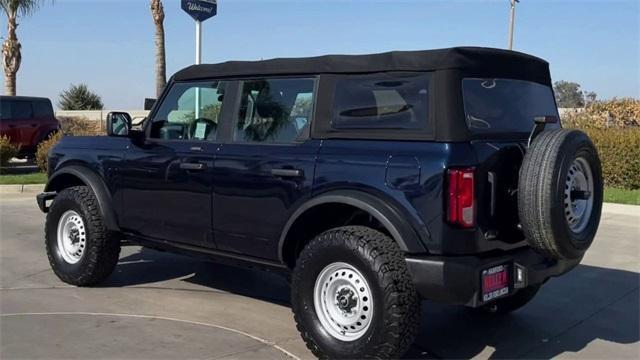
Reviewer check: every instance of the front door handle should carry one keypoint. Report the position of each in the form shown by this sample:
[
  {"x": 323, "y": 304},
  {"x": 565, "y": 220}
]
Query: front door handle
[
  {"x": 287, "y": 172},
  {"x": 193, "y": 166}
]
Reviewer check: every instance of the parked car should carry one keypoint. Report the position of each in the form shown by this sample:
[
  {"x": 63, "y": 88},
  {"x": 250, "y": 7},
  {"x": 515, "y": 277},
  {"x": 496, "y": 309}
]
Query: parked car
[
  {"x": 371, "y": 180},
  {"x": 27, "y": 121}
]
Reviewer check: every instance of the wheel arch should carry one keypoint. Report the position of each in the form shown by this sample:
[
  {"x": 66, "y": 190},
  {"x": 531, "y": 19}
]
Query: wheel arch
[
  {"x": 81, "y": 175},
  {"x": 391, "y": 221}
]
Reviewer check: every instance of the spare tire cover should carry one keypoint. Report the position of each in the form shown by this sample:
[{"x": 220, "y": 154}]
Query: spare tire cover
[{"x": 560, "y": 193}]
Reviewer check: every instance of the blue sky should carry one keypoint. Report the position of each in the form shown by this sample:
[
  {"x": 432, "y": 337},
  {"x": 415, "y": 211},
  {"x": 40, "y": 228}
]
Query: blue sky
[{"x": 108, "y": 44}]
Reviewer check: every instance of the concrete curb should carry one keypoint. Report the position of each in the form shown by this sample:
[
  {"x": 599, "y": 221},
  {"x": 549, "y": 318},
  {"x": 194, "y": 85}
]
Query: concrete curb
[
  {"x": 17, "y": 189},
  {"x": 621, "y": 209}
]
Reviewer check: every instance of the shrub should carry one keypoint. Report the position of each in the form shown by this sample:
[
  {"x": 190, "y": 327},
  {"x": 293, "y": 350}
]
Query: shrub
[
  {"x": 44, "y": 147},
  {"x": 80, "y": 126},
  {"x": 614, "y": 127},
  {"x": 71, "y": 126},
  {"x": 7, "y": 150},
  {"x": 619, "y": 151},
  {"x": 616, "y": 113},
  {"x": 79, "y": 97}
]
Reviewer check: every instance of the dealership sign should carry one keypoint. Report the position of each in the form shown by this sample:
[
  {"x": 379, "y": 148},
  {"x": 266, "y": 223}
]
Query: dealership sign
[{"x": 200, "y": 10}]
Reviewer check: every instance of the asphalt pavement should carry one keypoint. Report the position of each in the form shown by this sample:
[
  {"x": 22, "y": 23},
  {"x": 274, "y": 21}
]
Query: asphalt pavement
[{"x": 164, "y": 306}]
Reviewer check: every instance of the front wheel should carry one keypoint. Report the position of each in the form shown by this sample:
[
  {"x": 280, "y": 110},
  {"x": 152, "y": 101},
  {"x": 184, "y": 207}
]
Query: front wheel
[
  {"x": 353, "y": 296},
  {"x": 80, "y": 249}
]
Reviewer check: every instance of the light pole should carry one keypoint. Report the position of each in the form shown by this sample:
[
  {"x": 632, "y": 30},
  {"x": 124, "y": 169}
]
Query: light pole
[
  {"x": 198, "y": 42},
  {"x": 199, "y": 10},
  {"x": 512, "y": 20}
]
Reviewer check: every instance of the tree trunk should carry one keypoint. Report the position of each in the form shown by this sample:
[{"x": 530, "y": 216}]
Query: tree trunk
[
  {"x": 11, "y": 57},
  {"x": 157, "y": 11},
  {"x": 161, "y": 63},
  {"x": 10, "y": 84}
]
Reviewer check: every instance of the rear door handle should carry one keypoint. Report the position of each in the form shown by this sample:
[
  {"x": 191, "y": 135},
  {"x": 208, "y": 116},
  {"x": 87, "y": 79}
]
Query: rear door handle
[
  {"x": 193, "y": 166},
  {"x": 287, "y": 172}
]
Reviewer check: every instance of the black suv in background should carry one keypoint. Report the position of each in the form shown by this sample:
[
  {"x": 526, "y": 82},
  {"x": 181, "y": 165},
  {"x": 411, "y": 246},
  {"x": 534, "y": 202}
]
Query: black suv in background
[
  {"x": 27, "y": 121},
  {"x": 373, "y": 180}
]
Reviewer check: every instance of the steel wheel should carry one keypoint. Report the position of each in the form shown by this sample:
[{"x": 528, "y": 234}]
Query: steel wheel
[
  {"x": 72, "y": 237},
  {"x": 343, "y": 302},
  {"x": 578, "y": 195}
]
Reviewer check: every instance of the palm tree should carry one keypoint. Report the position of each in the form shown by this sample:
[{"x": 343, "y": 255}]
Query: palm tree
[
  {"x": 11, "y": 56},
  {"x": 157, "y": 11}
]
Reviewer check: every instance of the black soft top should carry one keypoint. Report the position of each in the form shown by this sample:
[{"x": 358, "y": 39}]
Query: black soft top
[{"x": 473, "y": 61}]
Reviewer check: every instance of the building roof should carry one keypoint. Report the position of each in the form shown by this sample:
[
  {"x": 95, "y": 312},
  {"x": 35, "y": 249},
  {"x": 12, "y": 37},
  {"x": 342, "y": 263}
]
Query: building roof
[{"x": 471, "y": 60}]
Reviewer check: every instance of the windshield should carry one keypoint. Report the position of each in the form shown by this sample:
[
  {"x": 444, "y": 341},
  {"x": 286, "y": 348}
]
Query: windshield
[{"x": 505, "y": 105}]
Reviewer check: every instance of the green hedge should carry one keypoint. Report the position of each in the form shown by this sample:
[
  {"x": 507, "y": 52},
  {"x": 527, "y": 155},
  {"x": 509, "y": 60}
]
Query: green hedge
[
  {"x": 614, "y": 127},
  {"x": 619, "y": 151}
]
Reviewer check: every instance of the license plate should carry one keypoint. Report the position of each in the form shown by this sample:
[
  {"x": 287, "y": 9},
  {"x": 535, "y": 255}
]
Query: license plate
[{"x": 495, "y": 282}]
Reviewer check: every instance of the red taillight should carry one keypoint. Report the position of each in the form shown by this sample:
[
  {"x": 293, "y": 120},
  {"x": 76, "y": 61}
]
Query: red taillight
[{"x": 461, "y": 206}]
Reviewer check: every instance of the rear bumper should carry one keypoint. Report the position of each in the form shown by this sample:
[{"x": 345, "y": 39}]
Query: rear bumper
[
  {"x": 457, "y": 279},
  {"x": 42, "y": 199}
]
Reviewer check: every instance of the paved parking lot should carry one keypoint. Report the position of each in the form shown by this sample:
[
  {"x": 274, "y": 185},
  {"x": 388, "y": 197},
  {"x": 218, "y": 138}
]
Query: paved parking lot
[{"x": 158, "y": 305}]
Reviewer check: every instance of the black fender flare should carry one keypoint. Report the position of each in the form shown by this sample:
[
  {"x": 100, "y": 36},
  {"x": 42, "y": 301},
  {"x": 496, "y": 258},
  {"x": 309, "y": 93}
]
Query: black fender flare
[
  {"x": 91, "y": 179},
  {"x": 396, "y": 224}
]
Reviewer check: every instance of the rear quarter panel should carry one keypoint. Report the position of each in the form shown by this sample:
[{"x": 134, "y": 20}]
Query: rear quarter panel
[{"x": 407, "y": 174}]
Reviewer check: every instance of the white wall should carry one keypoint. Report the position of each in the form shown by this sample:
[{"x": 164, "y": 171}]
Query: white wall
[{"x": 101, "y": 115}]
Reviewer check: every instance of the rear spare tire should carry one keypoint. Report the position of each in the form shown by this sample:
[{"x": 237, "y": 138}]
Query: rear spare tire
[{"x": 560, "y": 193}]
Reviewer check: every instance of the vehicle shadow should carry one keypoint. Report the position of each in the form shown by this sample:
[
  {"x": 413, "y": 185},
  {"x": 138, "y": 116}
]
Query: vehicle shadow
[{"x": 590, "y": 303}]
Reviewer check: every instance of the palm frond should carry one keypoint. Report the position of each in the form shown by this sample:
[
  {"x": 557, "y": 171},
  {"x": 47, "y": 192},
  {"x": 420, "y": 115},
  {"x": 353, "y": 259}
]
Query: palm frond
[{"x": 21, "y": 7}]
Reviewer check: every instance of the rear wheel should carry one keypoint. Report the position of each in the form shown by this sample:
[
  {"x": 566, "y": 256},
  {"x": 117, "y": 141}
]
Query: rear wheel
[
  {"x": 353, "y": 297},
  {"x": 80, "y": 249}
]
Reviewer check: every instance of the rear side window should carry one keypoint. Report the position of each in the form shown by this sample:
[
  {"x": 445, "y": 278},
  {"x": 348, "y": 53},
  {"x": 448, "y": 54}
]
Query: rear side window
[
  {"x": 21, "y": 110},
  {"x": 42, "y": 109},
  {"x": 505, "y": 105},
  {"x": 274, "y": 111},
  {"x": 382, "y": 101}
]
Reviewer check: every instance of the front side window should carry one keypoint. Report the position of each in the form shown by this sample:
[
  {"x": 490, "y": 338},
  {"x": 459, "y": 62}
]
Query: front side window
[
  {"x": 274, "y": 110},
  {"x": 505, "y": 105},
  {"x": 5, "y": 110},
  {"x": 190, "y": 111},
  {"x": 21, "y": 110},
  {"x": 381, "y": 101}
]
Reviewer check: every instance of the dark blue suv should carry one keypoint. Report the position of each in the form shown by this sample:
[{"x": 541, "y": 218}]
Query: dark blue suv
[{"x": 370, "y": 180}]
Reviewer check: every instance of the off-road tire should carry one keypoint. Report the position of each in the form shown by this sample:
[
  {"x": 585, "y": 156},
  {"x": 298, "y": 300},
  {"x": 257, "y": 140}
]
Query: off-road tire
[
  {"x": 102, "y": 247},
  {"x": 512, "y": 303},
  {"x": 396, "y": 312},
  {"x": 541, "y": 193}
]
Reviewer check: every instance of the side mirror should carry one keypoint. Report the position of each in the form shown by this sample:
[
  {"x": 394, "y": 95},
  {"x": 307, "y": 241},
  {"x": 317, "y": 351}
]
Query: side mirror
[{"x": 118, "y": 124}]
